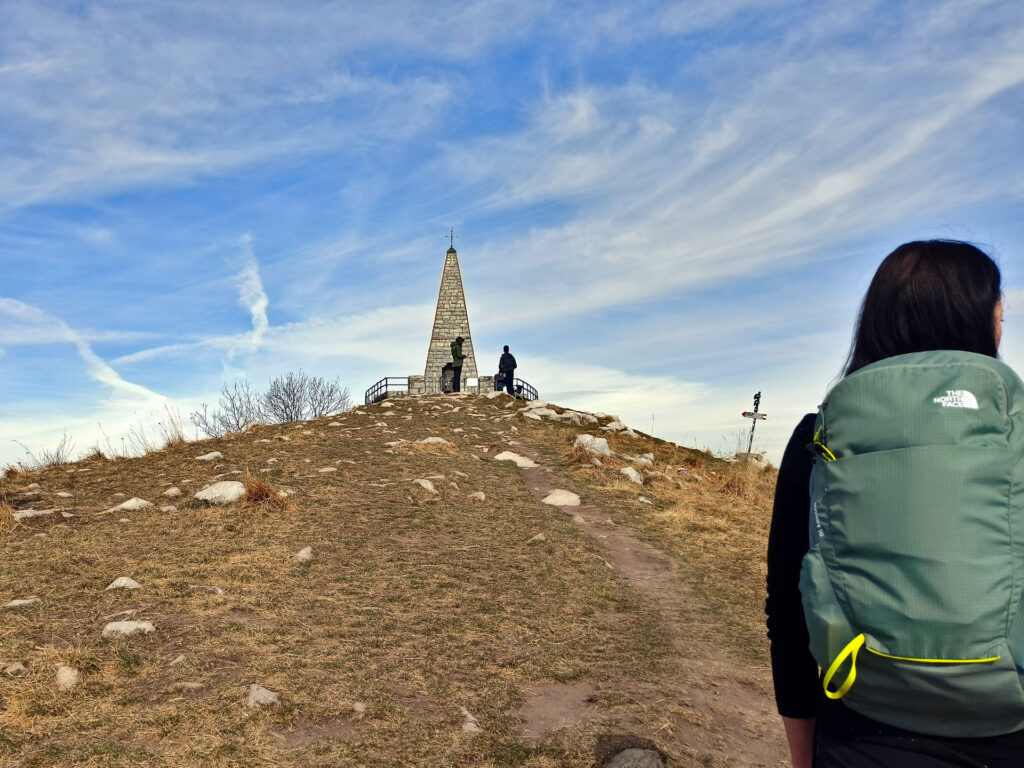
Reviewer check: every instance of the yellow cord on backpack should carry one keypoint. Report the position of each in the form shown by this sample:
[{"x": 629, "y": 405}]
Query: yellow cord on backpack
[
  {"x": 825, "y": 452},
  {"x": 851, "y": 650}
]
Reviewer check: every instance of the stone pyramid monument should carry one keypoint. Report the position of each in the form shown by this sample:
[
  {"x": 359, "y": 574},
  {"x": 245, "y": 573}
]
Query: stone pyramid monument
[{"x": 451, "y": 319}]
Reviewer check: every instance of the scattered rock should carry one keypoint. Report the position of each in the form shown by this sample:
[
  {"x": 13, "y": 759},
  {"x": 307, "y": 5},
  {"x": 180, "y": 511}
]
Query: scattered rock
[
  {"x": 538, "y": 537},
  {"x": 17, "y": 669},
  {"x": 434, "y": 441},
  {"x": 128, "y": 628},
  {"x": 31, "y": 486},
  {"x": 561, "y": 498},
  {"x": 168, "y": 508},
  {"x": 426, "y": 485},
  {"x": 477, "y": 496},
  {"x": 493, "y": 395},
  {"x": 131, "y": 505},
  {"x": 644, "y": 500},
  {"x": 23, "y": 602},
  {"x": 124, "y": 582},
  {"x": 327, "y": 470},
  {"x": 304, "y": 555},
  {"x": 28, "y": 514},
  {"x": 359, "y": 708},
  {"x": 579, "y": 519},
  {"x": 172, "y": 492},
  {"x": 459, "y": 474},
  {"x": 639, "y": 460},
  {"x": 632, "y": 475},
  {"x": 39, "y": 536},
  {"x": 63, "y": 494},
  {"x": 224, "y": 492},
  {"x": 520, "y": 461},
  {"x": 67, "y": 677},
  {"x": 596, "y": 462},
  {"x": 594, "y": 444},
  {"x": 212, "y": 456},
  {"x": 177, "y": 661},
  {"x": 258, "y": 696},
  {"x": 124, "y": 520},
  {"x": 209, "y": 589},
  {"x": 469, "y": 724}
]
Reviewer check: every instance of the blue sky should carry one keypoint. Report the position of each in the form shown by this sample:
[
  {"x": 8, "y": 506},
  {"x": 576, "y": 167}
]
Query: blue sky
[{"x": 662, "y": 207}]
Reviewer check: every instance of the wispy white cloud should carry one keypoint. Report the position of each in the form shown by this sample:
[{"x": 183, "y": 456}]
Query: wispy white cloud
[{"x": 53, "y": 327}]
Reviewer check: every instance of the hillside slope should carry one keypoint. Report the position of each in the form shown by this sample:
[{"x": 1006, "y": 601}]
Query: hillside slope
[{"x": 429, "y": 628}]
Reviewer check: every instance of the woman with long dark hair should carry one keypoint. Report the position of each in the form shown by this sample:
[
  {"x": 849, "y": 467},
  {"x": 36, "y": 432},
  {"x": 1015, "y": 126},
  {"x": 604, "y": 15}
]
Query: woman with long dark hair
[{"x": 878, "y": 547}]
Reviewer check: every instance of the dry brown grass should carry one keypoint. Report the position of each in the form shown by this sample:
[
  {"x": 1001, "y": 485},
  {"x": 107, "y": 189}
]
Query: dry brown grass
[
  {"x": 261, "y": 496},
  {"x": 6, "y": 519},
  {"x": 408, "y": 607}
]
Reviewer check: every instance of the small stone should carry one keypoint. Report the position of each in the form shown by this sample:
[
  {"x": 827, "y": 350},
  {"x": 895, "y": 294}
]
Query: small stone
[
  {"x": 17, "y": 669},
  {"x": 561, "y": 498},
  {"x": 63, "y": 494},
  {"x": 258, "y": 696},
  {"x": 579, "y": 519},
  {"x": 28, "y": 514},
  {"x": 304, "y": 555},
  {"x": 172, "y": 492},
  {"x": 131, "y": 505},
  {"x": 177, "y": 661},
  {"x": 124, "y": 582},
  {"x": 520, "y": 461},
  {"x": 124, "y": 520},
  {"x": 39, "y": 536},
  {"x": 23, "y": 603},
  {"x": 327, "y": 470},
  {"x": 459, "y": 474},
  {"x": 212, "y": 456},
  {"x": 224, "y": 492},
  {"x": 168, "y": 508},
  {"x": 477, "y": 496},
  {"x": 66, "y": 515},
  {"x": 359, "y": 708},
  {"x": 33, "y": 485},
  {"x": 434, "y": 441},
  {"x": 67, "y": 677},
  {"x": 632, "y": 475},
  {"x": 538, "y": 537},
  {"x": 469, "y": 724},
  {"x": 644, "y": 500},
  {"x": 128, "y": 628},
  {"x": 209, "y": 589},
  {"x": 426, "y": 485},
  {"x": 596, "y": 461}
]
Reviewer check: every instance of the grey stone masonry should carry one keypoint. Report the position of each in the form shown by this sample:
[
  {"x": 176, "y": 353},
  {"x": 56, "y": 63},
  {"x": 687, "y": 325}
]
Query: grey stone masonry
[{"x": 450, "y": 320}]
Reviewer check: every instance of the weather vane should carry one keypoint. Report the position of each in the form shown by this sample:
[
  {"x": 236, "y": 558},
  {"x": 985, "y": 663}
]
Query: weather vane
[{"x": 451, "y": 236}]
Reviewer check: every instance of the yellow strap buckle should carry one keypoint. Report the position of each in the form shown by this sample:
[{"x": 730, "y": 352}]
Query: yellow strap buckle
[{"x": 850, "y": 651}]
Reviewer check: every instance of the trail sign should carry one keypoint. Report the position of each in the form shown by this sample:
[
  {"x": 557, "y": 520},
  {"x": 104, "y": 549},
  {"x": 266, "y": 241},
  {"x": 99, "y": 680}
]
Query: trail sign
[{"x": 755, "y": 417}]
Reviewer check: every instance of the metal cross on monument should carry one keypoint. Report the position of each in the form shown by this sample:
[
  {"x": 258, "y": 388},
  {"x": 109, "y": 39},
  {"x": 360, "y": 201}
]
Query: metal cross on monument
[
  {"x": 451, "y": 236},
  {"x": 755, "y": 416}
]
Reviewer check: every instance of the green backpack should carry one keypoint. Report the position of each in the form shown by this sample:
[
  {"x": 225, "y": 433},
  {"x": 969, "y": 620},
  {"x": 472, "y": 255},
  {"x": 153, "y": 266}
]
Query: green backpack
[{"x": 912, "y": 587}]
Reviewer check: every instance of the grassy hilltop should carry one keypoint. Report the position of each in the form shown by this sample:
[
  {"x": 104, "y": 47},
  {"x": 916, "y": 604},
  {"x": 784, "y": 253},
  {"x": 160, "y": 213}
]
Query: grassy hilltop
[{"x": 430, "y": 628}]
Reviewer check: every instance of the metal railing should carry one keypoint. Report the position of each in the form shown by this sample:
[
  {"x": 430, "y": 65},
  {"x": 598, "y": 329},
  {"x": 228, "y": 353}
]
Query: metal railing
[
  {"x": 520, "y": 387},
  {"x": 385, "y": 386}
]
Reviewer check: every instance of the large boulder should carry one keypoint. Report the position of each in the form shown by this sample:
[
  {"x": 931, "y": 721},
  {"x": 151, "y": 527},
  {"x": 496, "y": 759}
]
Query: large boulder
[
  {"x": 595, "y": 445},
  {"x": 224, "y": 492}
]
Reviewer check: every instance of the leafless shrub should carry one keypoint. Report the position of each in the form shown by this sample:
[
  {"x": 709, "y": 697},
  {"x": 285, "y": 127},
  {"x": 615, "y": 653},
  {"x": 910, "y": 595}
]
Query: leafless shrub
[
  {"x": 48, "y": 457},
  {"x": 288, "y": 398}
]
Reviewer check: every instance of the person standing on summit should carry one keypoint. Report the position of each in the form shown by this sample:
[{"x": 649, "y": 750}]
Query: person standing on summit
[
  {"x": 457, "y": 357},
  {"x": 507, "y": 369}
]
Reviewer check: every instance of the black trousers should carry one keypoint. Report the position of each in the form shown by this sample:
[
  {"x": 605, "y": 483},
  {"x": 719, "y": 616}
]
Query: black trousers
[
  {"x": 508, "y": 377},
  {"x": 457, "y": 381}
]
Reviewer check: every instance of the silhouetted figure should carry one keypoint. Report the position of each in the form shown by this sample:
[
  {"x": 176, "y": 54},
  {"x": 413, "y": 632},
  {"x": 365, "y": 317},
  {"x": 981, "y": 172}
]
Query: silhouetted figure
[
  {"x": 507, "y": 369},
  {"x": 457, "y": 357}
]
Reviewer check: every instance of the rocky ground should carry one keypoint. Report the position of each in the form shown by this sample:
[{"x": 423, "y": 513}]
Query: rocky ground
[{"x": 442, "y": 581}]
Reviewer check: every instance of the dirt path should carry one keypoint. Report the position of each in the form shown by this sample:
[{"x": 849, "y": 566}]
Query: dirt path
[{"x": 736, "y": 721}]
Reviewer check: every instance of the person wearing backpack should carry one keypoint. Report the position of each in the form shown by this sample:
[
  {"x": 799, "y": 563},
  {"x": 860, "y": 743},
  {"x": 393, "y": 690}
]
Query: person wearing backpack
[
  {"x": 896, "y": 550},
  {"x": 457, "y": 357}
]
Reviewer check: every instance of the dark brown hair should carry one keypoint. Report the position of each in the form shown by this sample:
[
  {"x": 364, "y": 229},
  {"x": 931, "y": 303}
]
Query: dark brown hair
[{"x": 930, "y": 294}]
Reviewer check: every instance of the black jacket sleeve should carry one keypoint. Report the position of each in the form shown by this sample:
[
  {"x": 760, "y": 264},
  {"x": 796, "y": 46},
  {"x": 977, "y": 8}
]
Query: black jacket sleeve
[{"x": 794, "y": 669}]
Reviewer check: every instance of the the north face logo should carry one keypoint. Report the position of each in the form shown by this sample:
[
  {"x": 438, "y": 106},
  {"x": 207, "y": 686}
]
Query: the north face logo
[{"x": 957, "y": 398}]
